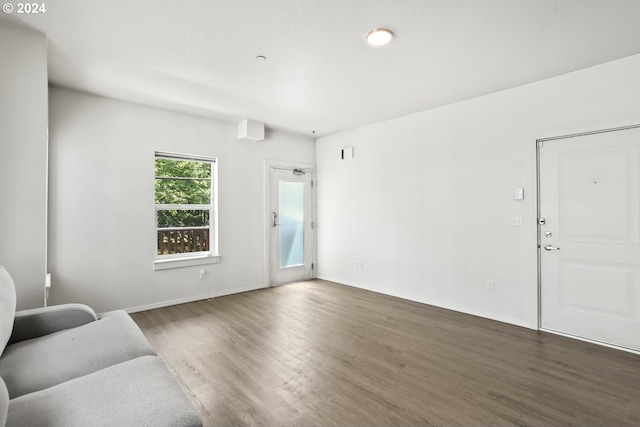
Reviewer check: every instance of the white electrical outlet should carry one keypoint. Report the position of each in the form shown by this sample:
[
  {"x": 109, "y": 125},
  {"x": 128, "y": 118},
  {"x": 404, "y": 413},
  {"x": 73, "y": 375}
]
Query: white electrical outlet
[
  {"x": 361, "y": 265},
  {"x": 518, "y": 194},
  {"x": 517, "y": 221},
  {"x": 203, "y": 273},
  {"x": 491, "y": 285}
]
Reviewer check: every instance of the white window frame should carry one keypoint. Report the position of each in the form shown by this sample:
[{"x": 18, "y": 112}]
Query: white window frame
[{"x": 212, "y": 256}]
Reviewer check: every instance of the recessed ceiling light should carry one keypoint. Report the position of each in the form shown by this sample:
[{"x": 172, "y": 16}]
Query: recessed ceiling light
[
  {"x": 379, "y": 37},
  {"x": 261, "y": 58}
]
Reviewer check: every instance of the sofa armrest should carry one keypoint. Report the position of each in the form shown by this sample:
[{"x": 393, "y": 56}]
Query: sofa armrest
[{"x": 47, "y": 320}]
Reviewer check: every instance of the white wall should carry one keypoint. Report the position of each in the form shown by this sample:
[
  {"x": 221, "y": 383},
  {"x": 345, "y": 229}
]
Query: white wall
[
  {"x": 23, "y": 160},
  {"x": 427, "y": 201},
  {"x": 101, "y": 229}
]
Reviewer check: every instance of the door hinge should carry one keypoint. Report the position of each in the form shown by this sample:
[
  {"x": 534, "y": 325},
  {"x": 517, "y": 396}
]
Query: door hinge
[
  {"x": 311, "y": 183},
  {"x": 313, "y": 266},
  {"x": 313, "y": 225}
]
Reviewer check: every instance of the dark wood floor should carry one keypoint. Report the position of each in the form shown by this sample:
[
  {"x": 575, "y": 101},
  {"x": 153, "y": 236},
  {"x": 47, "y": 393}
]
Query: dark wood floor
[{"x": 321, "y": 354}]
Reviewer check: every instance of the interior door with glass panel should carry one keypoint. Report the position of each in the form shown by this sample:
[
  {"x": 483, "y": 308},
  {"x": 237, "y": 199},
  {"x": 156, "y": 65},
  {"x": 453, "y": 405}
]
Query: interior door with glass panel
[
  {"x": 291, "y": 225},
  {"x": 590, "y": 236}
]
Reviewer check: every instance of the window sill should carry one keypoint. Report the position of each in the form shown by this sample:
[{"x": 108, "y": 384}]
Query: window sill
[{"x": 165, "y": 264}]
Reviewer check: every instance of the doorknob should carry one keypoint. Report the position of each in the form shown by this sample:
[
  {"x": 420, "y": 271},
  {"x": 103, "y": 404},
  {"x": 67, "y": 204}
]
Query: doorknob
[{"x": 551, "y": 248}]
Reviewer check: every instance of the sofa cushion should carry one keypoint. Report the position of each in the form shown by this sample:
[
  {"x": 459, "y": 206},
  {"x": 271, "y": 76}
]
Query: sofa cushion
[
  {"x": 42, "y": 362},
  {"x": 4, "y": 403},
  {"x": 141, "y": 392},
  {"x": 7, "y": 307}
]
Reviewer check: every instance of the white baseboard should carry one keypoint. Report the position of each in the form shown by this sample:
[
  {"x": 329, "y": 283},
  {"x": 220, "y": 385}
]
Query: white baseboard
[
  {"x": 194, "y": 298},
  {"x": 452, "y": 307},
  {"x": 491, "y": 316}
]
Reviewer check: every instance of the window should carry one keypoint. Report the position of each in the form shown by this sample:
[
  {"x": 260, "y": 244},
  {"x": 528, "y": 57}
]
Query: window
[{"x": 186, "y": 210}]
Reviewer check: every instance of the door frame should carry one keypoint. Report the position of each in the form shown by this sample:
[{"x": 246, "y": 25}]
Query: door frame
[
  {"x": 620, "y": 126},
  {"x": 268, "y": 164}
]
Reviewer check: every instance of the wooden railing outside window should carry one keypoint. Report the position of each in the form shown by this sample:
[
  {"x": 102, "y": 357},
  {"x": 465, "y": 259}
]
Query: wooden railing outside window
[{"x": 183, "y": 240}]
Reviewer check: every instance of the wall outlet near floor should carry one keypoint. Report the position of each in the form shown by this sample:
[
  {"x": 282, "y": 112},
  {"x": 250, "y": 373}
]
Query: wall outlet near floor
[
  {"x": 358, "y": 265},
  {"x": 491, "y": 285},
  {"x": 203, "y": 273}
]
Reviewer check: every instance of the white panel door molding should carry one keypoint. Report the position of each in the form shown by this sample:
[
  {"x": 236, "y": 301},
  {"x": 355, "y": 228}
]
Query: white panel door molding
[{"x": 589, "y": 198}]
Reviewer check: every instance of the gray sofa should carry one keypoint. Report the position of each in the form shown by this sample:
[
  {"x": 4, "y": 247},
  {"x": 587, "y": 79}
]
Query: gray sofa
[{"x": 64, "y": 366}]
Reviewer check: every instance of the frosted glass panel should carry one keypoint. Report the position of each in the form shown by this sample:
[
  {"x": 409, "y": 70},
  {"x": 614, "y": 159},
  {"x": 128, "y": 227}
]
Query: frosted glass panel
[{"x": 291, "y": 223}]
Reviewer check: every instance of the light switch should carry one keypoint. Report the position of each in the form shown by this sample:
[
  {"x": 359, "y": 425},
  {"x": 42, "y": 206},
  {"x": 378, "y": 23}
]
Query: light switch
[
  {"x": 347, "y": 153},
  {"x": 518, "y": 194}
]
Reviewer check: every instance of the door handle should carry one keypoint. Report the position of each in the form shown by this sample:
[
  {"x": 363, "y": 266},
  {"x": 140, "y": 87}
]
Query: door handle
[
  {"x": 551, "y": 248},
  {"x": 275, "y": 219}
]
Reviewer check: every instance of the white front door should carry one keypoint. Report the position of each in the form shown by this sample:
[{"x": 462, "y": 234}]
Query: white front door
[
  {"x": 590, "y": 241},
  {"x": 291, "y": 224}
]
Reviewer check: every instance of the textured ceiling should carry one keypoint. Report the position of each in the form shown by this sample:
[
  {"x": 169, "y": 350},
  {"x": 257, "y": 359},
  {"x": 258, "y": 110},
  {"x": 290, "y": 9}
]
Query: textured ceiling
[{"x": 198, "y": 56}]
